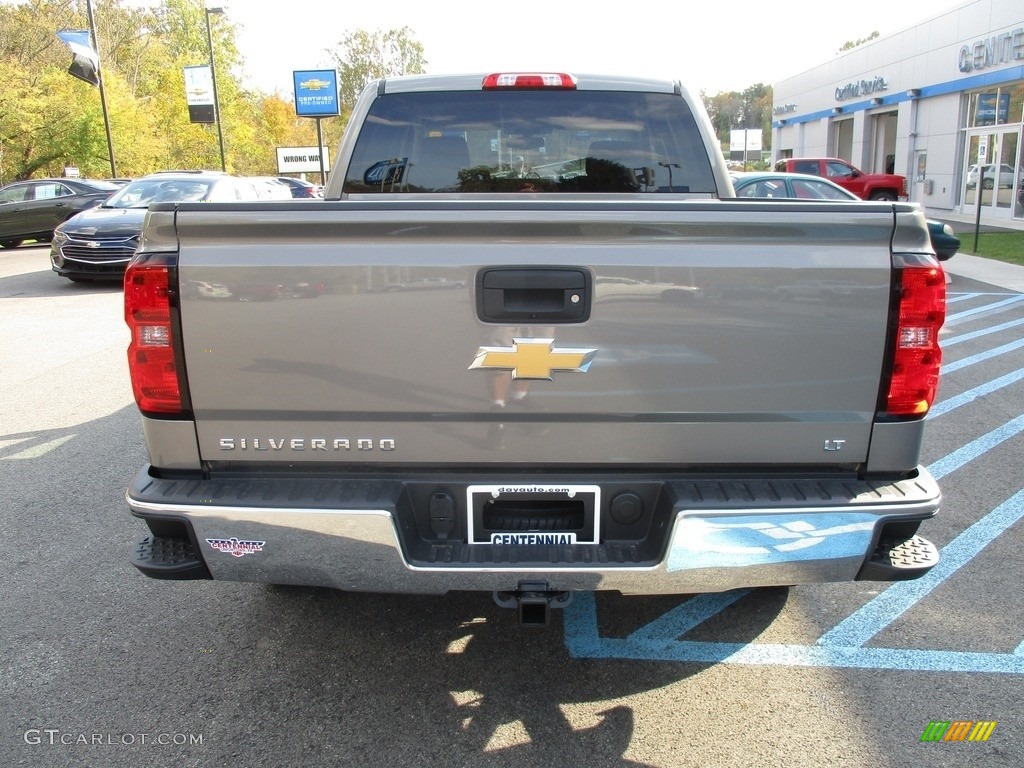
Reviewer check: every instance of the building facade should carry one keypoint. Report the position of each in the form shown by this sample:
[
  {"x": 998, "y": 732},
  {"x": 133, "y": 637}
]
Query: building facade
[{"x": 941, "y": 103}]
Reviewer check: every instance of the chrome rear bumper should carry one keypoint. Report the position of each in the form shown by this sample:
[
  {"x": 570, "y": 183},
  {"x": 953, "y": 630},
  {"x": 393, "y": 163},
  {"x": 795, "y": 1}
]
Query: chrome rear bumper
[{"x": 358, "y": 536}]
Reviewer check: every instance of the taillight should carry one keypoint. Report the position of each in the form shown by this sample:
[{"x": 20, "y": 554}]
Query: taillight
[
  {"x": 916, "y": 355},
  {"x": 147, "y": 310},
  {"x": 527, "y": 80}
]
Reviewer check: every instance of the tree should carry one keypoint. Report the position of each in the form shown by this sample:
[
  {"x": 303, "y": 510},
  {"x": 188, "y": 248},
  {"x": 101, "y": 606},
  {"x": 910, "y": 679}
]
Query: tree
[
  {"x": 751, "y": 108},
  {"x": 363, "y": 56},
  {"x": 849, "y": 45},
  {"x": 49, "y": 120}
]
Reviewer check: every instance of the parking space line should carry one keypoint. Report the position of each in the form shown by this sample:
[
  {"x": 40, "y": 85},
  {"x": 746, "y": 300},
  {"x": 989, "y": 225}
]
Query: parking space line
[
  {"x": 953, "y": 298},
  {"x": 999, "y": 305},
  {"x": 976, "y": 448},
  {"x": 841, "y": 646},
  {"x": 35, "y": 451},
  {"x": 982, "y": 356},
  {"x": 583, "y": 641},
  {"x": 876, "y": 615},
  {"x": 686, "y": 616},
  {"x": 971, "y": 395},
  {"x": 983, "y": 332}
]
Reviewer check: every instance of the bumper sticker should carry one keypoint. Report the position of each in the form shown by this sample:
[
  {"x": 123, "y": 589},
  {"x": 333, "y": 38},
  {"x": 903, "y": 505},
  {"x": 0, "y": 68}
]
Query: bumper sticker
[{"x": 235, "y": 547}]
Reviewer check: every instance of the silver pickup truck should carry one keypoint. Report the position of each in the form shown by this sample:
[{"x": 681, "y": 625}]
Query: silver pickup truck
[{"x": 531, "y": 343}]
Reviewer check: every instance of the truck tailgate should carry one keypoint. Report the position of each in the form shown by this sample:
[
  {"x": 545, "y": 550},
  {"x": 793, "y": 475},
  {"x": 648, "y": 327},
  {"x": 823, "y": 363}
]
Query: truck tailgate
[{"x": 707, "y": 333}]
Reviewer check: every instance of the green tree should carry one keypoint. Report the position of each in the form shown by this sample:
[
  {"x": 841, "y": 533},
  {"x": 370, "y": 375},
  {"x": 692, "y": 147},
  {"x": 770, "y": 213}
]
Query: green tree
[
  {"x": 362, "y": 57},
  {"x": 849, "y": 45},
  {"x": 750, "y": 108},
  {"x": 49, "y": 120}
]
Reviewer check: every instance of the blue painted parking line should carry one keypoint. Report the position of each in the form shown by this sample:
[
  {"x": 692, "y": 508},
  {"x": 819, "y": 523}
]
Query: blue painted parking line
[
  {"x": 983, "y": 356},
  {"x": 873, "y": 617},
  {"x": 686, "y": 616},
  {"x": 983, "y": 332},
  {"x": 973, "y": 394},
  {"x": 976, "y": 448},
  {"x": 953, "y": 298},
  {"x": 583, "y": 641},
  {"x": 999, "y": 305},
  {"x": 842, "y": 646}
]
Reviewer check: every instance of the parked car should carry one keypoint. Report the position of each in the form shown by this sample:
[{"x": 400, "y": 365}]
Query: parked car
[
  {"x": 301, "y": 188},
  {"x": 97, "y": 244},
  {"x": 806, "y": 187},
  {"x": 31, "y": 210},
  {"x": 1005, "y": 174},
  {"x": 269, "y": 188},
  {"x": 866, "y": 186}
]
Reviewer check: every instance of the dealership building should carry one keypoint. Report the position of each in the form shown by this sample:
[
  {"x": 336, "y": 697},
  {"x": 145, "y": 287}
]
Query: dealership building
[{"x": 934, "y": 102}]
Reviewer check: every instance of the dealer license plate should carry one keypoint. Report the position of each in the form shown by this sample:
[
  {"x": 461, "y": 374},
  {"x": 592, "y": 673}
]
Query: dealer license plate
[{"x": 519, "y": 514}]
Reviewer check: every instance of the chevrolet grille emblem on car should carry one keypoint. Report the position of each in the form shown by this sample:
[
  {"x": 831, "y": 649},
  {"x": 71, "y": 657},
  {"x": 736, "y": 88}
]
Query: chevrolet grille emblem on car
[{"x": 533, "y": 358}]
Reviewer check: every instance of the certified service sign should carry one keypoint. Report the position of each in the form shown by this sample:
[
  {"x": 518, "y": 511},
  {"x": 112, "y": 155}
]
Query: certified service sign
[{"x": 316, "y": 93}]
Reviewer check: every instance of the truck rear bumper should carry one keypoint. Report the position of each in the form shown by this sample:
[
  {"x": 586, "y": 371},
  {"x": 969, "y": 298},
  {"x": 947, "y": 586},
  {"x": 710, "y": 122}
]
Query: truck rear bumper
[{"x": 699, "y": 536}]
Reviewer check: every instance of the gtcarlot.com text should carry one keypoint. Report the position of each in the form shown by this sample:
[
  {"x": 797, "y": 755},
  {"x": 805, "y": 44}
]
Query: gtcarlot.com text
[{"x": 56, "y": 736}]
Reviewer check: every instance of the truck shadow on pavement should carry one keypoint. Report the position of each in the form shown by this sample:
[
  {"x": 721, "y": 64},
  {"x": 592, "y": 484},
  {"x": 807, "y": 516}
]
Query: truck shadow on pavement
[
  {"x": 456, "y": 676},
  {"x": 294, "y": 675}
]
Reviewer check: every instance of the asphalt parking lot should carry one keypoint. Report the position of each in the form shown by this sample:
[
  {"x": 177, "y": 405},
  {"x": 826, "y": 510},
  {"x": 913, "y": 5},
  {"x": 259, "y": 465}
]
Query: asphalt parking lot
[{"x": 103, "y": 667}]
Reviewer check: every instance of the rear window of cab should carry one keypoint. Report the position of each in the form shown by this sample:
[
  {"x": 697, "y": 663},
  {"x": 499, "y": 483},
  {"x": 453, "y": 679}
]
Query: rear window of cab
[{"x": 529, "y": 141}]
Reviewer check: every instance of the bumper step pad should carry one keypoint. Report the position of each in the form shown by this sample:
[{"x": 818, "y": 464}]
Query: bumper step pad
[
  {"x": 161, "y": 557},
  {"x": 895, "y": 560}
]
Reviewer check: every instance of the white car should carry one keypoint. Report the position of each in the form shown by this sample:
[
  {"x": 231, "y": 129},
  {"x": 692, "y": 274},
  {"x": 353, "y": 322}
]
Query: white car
[
  {"x": 1006, "y": 174},
  {"x": 269, "y": 188}
]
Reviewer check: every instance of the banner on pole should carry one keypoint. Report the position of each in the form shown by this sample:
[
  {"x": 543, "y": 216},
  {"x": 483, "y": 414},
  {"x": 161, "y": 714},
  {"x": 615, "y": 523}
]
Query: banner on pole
[
  {"x": 199, "y": 94},
  {"x": 85, "y": 62}
]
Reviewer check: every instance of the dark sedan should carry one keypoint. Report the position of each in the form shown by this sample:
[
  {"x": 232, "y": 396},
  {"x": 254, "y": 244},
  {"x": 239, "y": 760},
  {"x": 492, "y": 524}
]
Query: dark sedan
[
  {"x": 805, "y": 187},
  {"x": 302, "y": 189},
  {"x": 31, "y": 210},
  {"x": 97, "y": 244}
]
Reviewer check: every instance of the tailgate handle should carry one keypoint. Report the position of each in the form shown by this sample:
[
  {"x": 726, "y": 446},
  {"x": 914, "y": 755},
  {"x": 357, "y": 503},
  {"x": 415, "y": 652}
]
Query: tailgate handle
[{"x": 534, "y": 294}]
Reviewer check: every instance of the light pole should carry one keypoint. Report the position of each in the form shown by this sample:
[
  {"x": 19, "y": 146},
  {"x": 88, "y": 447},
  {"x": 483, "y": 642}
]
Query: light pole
[{"x": 213, "y": 76}]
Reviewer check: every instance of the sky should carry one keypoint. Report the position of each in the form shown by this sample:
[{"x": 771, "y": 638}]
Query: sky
[{"x": 708, "y": 47}]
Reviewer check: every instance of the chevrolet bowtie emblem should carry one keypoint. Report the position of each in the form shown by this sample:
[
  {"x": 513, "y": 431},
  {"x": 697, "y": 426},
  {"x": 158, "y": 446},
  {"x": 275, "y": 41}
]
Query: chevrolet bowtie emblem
[
  {"x": 314, "y": 84},
  {"x": 533, "y": 358}
]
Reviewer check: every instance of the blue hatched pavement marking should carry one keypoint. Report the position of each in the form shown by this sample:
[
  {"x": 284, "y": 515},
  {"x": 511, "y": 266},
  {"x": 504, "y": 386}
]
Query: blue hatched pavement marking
[
  {"x": 841, "y": 646},
  {"x": 973, "y": 394},
  {"x": 982, "y": 332},
  {"x": 999, "y": 305},
  {"x": 982, "y": 356}
]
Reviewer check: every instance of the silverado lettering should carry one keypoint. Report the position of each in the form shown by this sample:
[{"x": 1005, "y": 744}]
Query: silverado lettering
[
  {"x": 302, "y": 444},
  {"x": 757, "y": 372}
]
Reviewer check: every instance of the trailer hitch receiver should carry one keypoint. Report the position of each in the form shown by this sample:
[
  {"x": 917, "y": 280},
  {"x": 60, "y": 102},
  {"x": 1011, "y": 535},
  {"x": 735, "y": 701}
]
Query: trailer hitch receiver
[{"x": 533, "y": 601}]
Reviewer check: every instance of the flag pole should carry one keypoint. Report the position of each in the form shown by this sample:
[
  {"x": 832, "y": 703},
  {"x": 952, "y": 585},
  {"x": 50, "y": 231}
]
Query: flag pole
[{"x": 103, "y": 95}]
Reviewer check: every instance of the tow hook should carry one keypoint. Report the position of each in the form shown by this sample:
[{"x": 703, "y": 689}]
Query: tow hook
[{"x": 533, "y": 601}]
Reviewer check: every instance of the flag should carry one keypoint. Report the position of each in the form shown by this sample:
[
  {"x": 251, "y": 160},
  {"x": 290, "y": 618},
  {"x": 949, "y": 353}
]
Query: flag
[{"x": 85, "y": 62}]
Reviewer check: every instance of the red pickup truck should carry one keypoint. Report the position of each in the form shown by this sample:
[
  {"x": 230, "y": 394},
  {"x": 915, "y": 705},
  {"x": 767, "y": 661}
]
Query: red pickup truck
[{"x": 866, "y": 186}]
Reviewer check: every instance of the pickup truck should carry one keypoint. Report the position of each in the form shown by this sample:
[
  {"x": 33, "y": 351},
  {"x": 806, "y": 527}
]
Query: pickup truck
[
  {"x": 531, "y": 343},
  {"x": 866, "y": 186}
]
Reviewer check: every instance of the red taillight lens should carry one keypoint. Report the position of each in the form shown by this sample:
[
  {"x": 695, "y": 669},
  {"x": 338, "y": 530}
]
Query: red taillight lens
[
  {"x": 529, "y": 80},
  {"x": 147, "y": 310},
  {"x": 917, "y": 357}
]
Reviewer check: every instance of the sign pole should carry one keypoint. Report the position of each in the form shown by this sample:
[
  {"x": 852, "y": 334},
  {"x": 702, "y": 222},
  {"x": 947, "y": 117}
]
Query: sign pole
[
  {"x": 316, "y": 96},
  {"x": 320, "y": 148},
  {"x": 103, "y": 95}
]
